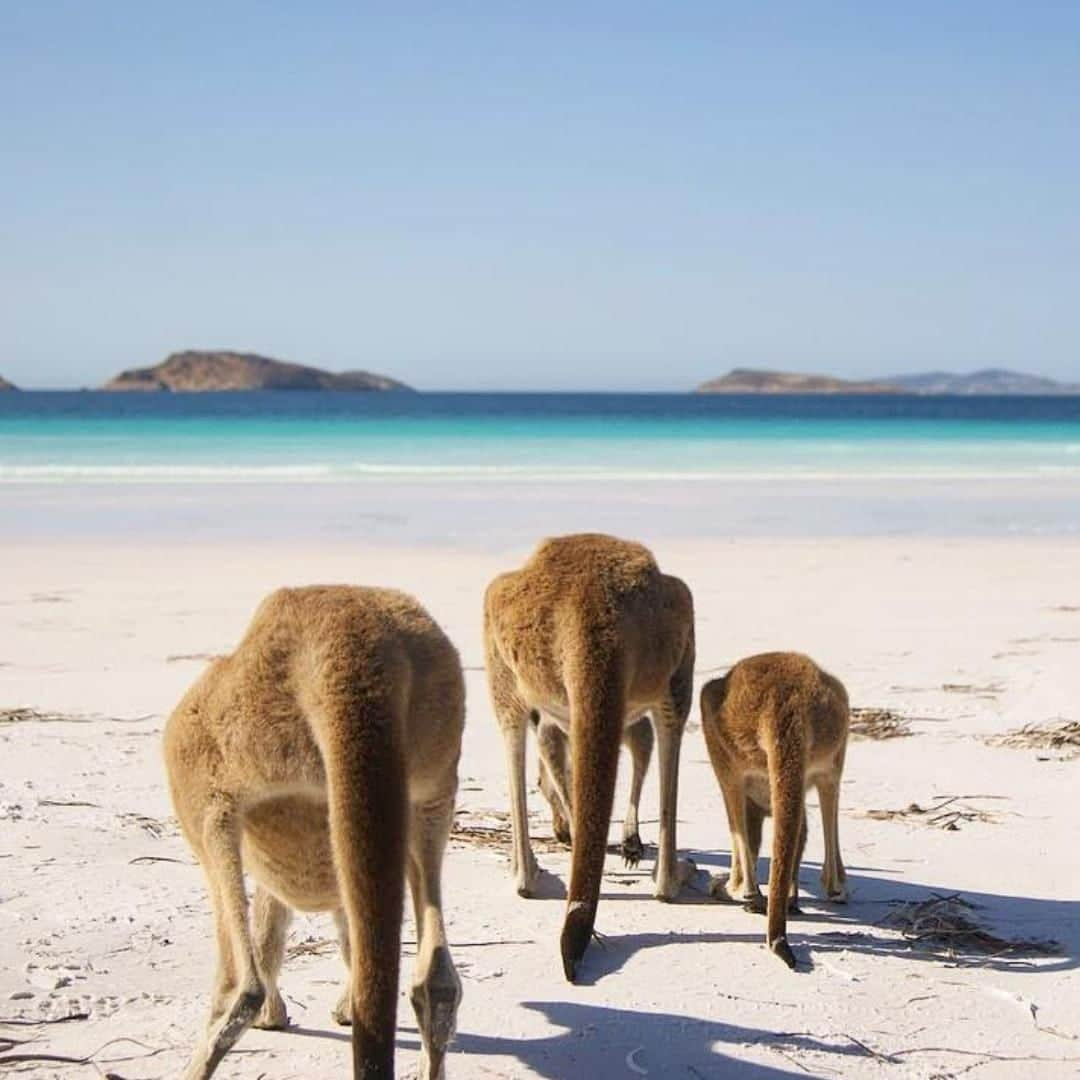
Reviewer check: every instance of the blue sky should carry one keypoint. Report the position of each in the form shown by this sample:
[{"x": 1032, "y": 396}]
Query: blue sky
[{"x": 538, "y": 196}]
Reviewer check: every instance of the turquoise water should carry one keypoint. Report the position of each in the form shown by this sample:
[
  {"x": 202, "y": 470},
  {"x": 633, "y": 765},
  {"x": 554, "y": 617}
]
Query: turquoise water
[{"x": 333, "y": 438}]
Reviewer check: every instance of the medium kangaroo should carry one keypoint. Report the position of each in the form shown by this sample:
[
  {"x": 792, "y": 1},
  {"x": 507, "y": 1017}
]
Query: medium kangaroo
[
  {"x": 591, "y": 636},
  {"x": 774, "y": 724},
  {"x": 321, "y": 757}
]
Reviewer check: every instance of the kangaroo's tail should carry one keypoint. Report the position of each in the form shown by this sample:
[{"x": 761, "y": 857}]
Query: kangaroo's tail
[
  {"x": 596, "y": 718},
  {"x": 368, "y": 808},
  {"x": 786, "y": 752}
]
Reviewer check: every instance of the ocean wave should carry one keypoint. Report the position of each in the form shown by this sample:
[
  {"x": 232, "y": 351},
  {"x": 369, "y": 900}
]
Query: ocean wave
[{"x": 344, "y": 472}]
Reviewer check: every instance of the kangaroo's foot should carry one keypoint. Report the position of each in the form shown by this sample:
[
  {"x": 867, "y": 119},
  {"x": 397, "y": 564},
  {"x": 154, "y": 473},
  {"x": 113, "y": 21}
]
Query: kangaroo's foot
[
  {"x": 435, "y": 1002},
  {"x": 632, "y": 849},
  {"x": 755, "y": 903},
  {"x": 729, "y": 889},
  {"x": 527, "y": 878},
  {"x": 560, "y": 826},
  {"x": 782, "y": 949},
  {"x": 342, "y": 1011},
  {"x": 273, "y": 1016},
  {"x": 835, "y": 889},
  {"x": 668, "y": 890}
]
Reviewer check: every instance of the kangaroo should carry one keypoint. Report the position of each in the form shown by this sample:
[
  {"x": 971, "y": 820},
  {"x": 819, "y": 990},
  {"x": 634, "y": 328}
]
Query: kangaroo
[
  {"x": 555, "y": 779},
  {"x": 321, "y": 757},
  {"x": 774, "y": 724},
  {"x": 592, "y": 636}
]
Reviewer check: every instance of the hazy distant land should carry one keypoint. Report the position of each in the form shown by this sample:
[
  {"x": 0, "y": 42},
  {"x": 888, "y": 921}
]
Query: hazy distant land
[
  {"x": 986, "y": 382},
  {"x": 194, "y": 371}
]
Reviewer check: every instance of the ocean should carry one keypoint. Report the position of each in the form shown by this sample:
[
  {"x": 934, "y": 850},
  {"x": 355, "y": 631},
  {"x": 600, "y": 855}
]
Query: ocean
[
  {"x": 76, "y": 438},
  {"x": 501, "y": 469}
]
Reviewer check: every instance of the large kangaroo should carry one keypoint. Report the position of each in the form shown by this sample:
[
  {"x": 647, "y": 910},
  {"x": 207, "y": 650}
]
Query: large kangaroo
[
  {"x": 321, "y": 757},
  {"x": 775, "y": 724},
  {"x": 590, "y": 635}
]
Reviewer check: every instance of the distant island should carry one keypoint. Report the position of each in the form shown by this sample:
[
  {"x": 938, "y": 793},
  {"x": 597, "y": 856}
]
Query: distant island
[
  {"x": 755, "y": 381},
  {"x": 196, "y": 371},
  {"x": 5, "y": 385},
  {"x": 986, "y": 382}
]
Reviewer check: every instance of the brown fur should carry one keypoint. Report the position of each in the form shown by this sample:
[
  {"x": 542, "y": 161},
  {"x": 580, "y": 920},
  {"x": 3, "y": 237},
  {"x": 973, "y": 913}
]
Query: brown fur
[
  {"x": 774, "y": 724},
  {"x": 321, "y": 757},
  {"x": 590, "y": 635}
]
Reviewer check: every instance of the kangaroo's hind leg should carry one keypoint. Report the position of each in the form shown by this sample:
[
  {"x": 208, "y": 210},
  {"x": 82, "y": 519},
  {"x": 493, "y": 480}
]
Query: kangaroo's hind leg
[
  {"x": 221, "y": 861},
  {"x": 833, "y": 875},
  {"x": 342, "y": 1011},
  {"x": 639, "y": 741},
  {"x": 671, "y": 873},
  {"x": 748, "y": 879},
  {"x": 555, "y": 776},
  {"x": 271, "y": 920},
  {"x": 436, "y": 989}
]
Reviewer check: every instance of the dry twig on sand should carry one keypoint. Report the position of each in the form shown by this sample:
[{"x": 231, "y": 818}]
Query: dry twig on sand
[
  {"x": 1054, "y": 735},
  {"x": 312, "y": 946},
  {"x": 154, "y": 827},
  {"x": 988, "y": 690},
  {"x": 946, "y": 812},
  {"x": 946, "y": 924},
  {"x": 25, "y": 1057},
  {"x": 494, "y": 832},
  {"x": 24, "y": 715}
]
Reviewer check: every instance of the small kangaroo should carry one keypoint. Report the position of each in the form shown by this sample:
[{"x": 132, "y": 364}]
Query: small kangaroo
[
  {"x": 321, "y": 757},
  {"x": 591, "y": 636},
  {"x": 774, "y": 724}
]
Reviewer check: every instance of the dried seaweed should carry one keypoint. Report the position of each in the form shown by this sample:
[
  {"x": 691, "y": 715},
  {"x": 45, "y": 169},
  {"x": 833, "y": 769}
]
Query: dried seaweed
[
  {"x": 1059, "y": 735},
  {"x": 947, "y": 924},
  {"x": 879, "y": 724}
]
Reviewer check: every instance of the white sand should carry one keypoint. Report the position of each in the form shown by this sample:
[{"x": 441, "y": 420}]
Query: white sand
[{"x": 972, "y": 635}]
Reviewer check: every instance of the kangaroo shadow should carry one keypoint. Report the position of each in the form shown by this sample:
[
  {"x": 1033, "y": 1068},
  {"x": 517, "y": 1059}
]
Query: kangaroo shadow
[
  {"x": 598, "y": 1041},
  {"x": 871, "y": 922},
  {"x": 1021, "y": 925}
]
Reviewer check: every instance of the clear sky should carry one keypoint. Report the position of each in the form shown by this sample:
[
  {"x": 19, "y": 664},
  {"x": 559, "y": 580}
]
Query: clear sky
[{"x": 541, "y": 195}]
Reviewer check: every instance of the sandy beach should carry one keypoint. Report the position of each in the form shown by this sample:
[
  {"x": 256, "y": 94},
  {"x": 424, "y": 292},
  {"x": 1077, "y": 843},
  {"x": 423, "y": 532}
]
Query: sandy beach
[
  {"x": 372, "y": 295},
  {"x": 104, "y": 918}
]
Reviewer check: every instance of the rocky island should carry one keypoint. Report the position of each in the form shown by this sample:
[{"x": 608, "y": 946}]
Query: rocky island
[
  {"x": 756, "y": 381},
  {"x": 196, "y": 371},
  {"x": 5, "y": 385}
]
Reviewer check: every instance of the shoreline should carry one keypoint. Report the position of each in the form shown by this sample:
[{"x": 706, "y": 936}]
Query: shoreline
[{"x": 497, "y": 514}]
